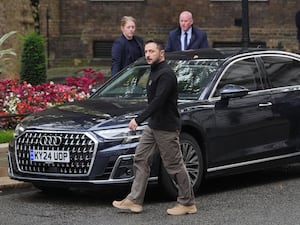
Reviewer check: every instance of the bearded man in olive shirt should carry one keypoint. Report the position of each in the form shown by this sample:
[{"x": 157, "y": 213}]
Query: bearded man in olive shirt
[{"x": 161, "y": 134}]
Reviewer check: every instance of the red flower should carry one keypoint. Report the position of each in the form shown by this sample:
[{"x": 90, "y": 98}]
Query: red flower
[{"x": 24, "y": 98}]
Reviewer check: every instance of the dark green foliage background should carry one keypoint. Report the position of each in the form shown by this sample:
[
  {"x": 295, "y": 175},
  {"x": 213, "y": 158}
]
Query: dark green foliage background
[{"x": 33, "y": 59}]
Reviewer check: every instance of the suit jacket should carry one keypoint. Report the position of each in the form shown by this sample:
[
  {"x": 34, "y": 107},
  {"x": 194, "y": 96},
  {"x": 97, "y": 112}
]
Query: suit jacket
[
  {"x": 297, "y": 18},
  {"x": 120, "y": 53},
  {"x": 198, "y": 40}
]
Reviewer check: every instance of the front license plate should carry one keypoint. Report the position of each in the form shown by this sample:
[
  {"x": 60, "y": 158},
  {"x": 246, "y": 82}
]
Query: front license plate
[{"x": 49, "y": 156}]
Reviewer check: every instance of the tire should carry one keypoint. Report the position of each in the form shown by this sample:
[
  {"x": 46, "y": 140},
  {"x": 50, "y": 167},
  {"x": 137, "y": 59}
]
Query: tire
[{"x": 193, "y": 159}]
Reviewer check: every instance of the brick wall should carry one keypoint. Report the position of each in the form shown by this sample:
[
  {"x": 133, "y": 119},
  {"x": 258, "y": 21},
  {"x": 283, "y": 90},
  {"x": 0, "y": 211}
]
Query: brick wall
[
  {"x": 15, "y": 16},
  {"x": 74, "y": 24}
]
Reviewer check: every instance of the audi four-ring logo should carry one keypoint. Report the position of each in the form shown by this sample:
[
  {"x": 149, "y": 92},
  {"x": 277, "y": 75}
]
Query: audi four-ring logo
[{"x": 50, "y": 140}]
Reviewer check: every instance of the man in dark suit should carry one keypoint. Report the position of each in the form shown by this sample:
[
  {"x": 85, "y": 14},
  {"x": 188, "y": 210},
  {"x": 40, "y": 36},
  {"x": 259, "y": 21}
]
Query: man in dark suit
[
  {"x": 297, "y": 18},
  {"x": 127, "y": 48},
  {"x": 187, "y": 36}
]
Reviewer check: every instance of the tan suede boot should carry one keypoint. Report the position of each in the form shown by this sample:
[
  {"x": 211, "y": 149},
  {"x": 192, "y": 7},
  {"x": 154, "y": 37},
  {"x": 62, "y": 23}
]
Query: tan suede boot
[
  {"x": 182, "y": 210},
  {"x": 128, "y": 205}
]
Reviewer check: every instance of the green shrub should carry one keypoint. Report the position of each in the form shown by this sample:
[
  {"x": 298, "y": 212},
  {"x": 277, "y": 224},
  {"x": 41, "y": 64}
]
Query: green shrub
[
  {"x": 6, "y": 135},
  {"x": 33, "y": 64}
]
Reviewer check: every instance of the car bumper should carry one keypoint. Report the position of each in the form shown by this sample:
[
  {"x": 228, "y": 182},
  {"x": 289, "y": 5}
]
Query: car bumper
[{"x": 109, "y": 167}]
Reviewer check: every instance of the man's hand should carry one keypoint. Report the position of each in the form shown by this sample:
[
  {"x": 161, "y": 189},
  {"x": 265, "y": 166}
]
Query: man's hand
[{"x": 132, "y": 125}]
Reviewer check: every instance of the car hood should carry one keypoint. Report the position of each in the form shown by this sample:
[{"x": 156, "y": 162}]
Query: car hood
[{"x": 85, "y": 115}]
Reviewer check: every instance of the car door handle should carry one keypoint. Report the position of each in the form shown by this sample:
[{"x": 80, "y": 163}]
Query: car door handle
[
  {"x": 265, "y": 104},
  {"x": 130, "y": 116}
]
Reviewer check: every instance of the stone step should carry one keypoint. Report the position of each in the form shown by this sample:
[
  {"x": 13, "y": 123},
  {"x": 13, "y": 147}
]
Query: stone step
[
  {"x": 3, "y": 160},
  {"x": 3, "y": 172}
]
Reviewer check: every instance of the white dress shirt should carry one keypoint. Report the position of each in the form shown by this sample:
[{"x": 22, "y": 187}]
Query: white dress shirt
[{"x": 189, "y": 35}]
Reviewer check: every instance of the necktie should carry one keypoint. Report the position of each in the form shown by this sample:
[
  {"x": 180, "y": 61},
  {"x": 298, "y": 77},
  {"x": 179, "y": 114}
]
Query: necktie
[{"x": 185, "y": 41}]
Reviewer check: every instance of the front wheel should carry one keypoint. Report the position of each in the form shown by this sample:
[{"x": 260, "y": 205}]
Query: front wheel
[{"x": 193, "y": 159}]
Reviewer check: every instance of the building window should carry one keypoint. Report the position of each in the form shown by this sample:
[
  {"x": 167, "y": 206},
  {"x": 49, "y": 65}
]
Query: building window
[
  {"x": 116, "y": 0},
  {"x": 238, "y": 0},
  {"x": 102, "y": 49}
]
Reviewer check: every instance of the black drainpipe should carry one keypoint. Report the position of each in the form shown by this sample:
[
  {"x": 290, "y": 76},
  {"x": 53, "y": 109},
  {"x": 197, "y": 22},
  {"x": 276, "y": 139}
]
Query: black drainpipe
[{"x": 245, "y": 24}]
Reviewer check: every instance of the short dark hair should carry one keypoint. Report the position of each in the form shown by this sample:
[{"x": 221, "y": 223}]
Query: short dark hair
[{"x": 160, "y": 43}]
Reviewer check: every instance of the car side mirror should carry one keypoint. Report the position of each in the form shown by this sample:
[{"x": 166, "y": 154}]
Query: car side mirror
[{"x": 233, "y": 91}]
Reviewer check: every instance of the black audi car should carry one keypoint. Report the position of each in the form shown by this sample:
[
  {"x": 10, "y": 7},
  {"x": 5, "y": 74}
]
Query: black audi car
[{"x": 240, "y": 111}]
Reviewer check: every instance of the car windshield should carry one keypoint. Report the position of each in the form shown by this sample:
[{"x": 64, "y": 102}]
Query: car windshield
[{"x": 192, "y": 75}]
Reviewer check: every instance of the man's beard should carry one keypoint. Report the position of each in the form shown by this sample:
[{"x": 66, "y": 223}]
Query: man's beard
[{"x": 156, "y": 62}]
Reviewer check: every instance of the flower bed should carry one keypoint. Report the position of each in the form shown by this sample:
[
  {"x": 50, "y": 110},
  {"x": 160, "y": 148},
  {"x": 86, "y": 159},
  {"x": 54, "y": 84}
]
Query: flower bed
[{"x": 22, "y": 98}]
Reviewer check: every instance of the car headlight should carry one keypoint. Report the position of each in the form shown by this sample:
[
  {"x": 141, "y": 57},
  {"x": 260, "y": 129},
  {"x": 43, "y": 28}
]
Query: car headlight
[
  {"x": 19, "y": 130},
  {"x": 121, "y": 134}
]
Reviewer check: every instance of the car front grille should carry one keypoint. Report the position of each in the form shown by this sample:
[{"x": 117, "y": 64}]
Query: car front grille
[{"x": 81, "y": 148}]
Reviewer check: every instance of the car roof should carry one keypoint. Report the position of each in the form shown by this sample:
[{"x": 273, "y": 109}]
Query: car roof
[
  {"x": 204, "y": 53},
  {"x": 213, "y": 53}
]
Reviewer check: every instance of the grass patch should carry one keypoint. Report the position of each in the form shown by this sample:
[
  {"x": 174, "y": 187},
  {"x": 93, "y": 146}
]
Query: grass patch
[{"x": 6, "y": 135}]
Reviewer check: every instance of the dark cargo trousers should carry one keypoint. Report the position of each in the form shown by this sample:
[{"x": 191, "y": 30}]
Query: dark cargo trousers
[{"x": 167, "y": 143}]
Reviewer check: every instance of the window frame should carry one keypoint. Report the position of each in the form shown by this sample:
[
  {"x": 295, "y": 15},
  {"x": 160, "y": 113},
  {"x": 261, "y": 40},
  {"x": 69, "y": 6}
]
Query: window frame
[
  {"x": 224, "y": 72},
  {"x": 269, "y": 76}
]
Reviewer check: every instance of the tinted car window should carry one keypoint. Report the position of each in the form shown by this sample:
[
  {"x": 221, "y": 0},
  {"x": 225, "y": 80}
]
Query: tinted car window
[
  {"x": 243, "y": 73},
  {"x": 131, "y": 84},
  {"x": 193, "y": 77},
  {"x": 282, "y": 71}
]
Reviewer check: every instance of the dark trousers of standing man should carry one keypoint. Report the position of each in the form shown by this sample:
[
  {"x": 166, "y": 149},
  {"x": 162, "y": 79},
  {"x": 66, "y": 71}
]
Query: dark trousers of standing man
[{"x": 167, "y": 143}]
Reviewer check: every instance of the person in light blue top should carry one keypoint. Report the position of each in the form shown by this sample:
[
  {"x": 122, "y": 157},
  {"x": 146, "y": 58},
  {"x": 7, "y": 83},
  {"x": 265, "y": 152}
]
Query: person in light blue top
[{"x": 186, "y": 36}]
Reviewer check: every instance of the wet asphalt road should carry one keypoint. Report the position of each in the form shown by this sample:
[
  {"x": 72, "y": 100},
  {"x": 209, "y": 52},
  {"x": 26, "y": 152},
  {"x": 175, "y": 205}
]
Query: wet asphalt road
[{"x": 270, "y": 197}]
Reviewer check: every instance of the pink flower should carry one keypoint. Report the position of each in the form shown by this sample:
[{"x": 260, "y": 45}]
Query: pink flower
[{"x": 24, "y": 98}]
